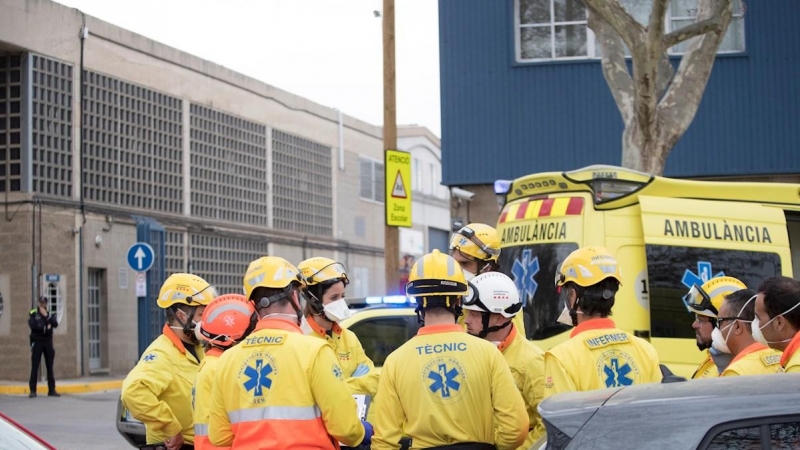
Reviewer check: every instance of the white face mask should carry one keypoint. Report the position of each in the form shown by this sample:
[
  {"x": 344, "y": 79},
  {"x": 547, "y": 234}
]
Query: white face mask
[
  {"x": 336, "y": 311},
  {"x": 564, "y": 317},
  {"x": 719, "y": 342},
  {"x": 757, "y": 327},
  {"x": 305, "y": 327},
  {"x": 200, "y": 338},
  {"x": 468, "y": 275}
]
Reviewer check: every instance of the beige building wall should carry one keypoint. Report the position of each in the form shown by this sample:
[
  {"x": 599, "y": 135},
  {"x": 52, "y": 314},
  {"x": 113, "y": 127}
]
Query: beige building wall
[{"x": 39, "y": 27}]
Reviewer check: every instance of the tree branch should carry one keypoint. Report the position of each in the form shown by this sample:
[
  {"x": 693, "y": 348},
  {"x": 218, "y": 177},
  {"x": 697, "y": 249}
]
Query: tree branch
[
  {"x": 615, "y": 68},
  {"x": 631, "y": 31},
  {"x": 655, "y": 27},
  {"x": 713, "y": 24},
  {"x": 681, "y": 101}
]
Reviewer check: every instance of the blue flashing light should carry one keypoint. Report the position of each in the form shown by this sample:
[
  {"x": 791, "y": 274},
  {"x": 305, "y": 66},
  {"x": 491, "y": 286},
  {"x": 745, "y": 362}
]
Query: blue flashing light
[
  {"x": 390, "y": 299},
  {"x": 502, "y": 187}
]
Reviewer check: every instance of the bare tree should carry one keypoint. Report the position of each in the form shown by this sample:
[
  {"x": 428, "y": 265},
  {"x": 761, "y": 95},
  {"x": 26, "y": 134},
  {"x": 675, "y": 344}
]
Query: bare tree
[{"x": 656, "y": 102}]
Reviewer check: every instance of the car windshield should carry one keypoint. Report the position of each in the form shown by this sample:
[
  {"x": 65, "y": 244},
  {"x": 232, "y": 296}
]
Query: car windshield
[{"x": 12, "y": 438}]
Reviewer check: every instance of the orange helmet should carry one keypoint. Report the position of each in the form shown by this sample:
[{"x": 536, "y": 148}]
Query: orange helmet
[{"x": 227, "y": 320}]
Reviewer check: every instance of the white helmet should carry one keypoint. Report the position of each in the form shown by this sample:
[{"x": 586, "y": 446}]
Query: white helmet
[{"x": 493, "y": 292}]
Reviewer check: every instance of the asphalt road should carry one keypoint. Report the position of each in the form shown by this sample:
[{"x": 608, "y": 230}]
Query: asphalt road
[{"x": 70, "y": 422}]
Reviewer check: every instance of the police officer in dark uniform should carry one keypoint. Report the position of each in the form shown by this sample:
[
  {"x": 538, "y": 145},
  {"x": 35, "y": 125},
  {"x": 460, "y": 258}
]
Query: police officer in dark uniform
[{"x": 42, "y": 324}]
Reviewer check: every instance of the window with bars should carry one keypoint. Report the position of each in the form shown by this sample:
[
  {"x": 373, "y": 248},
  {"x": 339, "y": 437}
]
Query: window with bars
[
  {"x": 372, "y": 180},
  {"x": 303, "y": 185},
  {"x": 228, "y": 167},
  {"x": 174, "y": 247},
  {"x": 133, "y": 150},
  {"x": 10, "y": 122},
  {"x": 222, "y": 261},
  {"x": 557, "y": 29},
  {"x": 51, "y": 126}
]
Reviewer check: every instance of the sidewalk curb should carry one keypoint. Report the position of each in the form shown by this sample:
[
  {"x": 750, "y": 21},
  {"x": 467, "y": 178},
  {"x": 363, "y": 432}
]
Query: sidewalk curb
[{"x": 63, "y": 388}]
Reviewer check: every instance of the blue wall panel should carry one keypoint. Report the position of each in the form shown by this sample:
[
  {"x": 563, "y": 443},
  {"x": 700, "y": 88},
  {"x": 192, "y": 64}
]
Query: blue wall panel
[{"x": 504, "y": 120}]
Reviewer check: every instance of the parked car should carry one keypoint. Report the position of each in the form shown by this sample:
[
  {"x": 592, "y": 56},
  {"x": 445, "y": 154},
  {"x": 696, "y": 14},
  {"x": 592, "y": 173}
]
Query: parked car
[
  {"x": 14, "y": 436},
  {"x": 750, "y": 412},
  {"x": 131, "y": 429}
]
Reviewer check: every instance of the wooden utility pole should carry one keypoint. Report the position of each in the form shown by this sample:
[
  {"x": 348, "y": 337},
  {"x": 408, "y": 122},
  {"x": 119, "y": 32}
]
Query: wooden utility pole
[{"x": 391, "y": 234}]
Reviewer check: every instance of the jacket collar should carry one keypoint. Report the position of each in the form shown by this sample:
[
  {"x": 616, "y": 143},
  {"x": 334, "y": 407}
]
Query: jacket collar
[
  {"x": 319, "y": 331},
  {"x": 509, "y": 339},
  {"x": 433, "y": 329},
  {"x": 790, "y": 349},
  {"x": 176, "y": 341},
  {"x": 593, "y": 324},
  {"x": 277, "y": 324}
]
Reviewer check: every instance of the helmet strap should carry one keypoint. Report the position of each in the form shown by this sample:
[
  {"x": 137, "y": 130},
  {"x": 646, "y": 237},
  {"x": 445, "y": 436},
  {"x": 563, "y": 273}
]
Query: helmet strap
[
  {"x": 487, "y": 329},
  {"x": 186, "y": 326},
  {"x": 573, "y": 312}
]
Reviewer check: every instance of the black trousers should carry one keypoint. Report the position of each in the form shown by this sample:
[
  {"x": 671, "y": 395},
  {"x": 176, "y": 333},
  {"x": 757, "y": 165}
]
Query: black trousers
[{"x": 37, "y": 350}]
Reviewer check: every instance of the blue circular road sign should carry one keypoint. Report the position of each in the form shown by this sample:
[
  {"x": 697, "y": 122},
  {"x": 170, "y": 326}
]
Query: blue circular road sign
[{"x": 141, "y": 256}]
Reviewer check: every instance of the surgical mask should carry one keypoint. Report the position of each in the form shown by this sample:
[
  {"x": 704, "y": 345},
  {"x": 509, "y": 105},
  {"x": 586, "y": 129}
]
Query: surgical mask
[
  {"x": 336, "y": 311},
  {"x": 564, "y": 317},
  {"x": 200, "y": 338},
  {"x": 719, "y": 342},
  {"x": 757, "y": 327},
  {"x": 305, "y": 327},
  {"x": 468, "y": 275}
]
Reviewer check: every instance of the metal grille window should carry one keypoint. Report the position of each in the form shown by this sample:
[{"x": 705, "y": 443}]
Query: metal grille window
[
  {"x": 303, "y": 185},
  {"x": 174, "y": 252},
  {"x": 132, "y": 145},
  {"x": 10, "y": 122},
  {"x": 222, "y": 261},
  {"x": 228, "y": 167},
  {"x": 51, "y": 126},
  {"x": 372, "y": 180}
]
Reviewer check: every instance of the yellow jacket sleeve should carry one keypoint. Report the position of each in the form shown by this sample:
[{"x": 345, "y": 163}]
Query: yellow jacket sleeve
[
  {"x": 792, "y": 369},
  {"x": 140, "y": 392},
  {"x": 334, "y": 400},
  {"x": 533, "y": 391},
  {"x": 364, "y": 379},
  {"x": 389, "y": 415},
  {"x": 220, "y": 432},
  {"x": 510, "y": 417},
  {"x": 556, "y": 377}
]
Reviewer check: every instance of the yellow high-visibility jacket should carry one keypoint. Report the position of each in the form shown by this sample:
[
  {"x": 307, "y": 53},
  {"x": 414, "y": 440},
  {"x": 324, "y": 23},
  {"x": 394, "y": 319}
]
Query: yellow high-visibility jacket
[
  {"x": 790, "y": 360},
  {"x": 282, "y": 389},
  {"x": 707, "y": 369},
  {"x": 358, "y": 369},
  {"x": 158, "y": 390},
  {"x": 444, "y": 387},
  {"x": 755, "y": 359},
  {"x": 202, "y": 399},
  {"x": 598, "y": 355},
  {"x": 526, "y": 362}
]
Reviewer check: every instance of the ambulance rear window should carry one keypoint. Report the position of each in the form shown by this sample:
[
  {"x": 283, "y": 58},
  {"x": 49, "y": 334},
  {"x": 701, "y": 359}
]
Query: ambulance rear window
[
  {"x": 673, "y": 270},
  {"x": 533, "y": 269}
]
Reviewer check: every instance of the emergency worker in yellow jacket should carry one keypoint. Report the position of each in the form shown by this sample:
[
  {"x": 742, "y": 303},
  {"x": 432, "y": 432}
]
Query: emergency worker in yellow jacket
[
  {"x": 158, "y": 391},
  {"x": 226, "y": 321},
  {"x": 598, "y": 355},
  {"x": 445, "y": 388},
  {"x": 280, "y": 388},
  {"x": 704, "y": 302},
  {"x": 493, "y": 300},
  {"x": 476, "y": 247},
  {"x": 777, "y": 319},
  {"x": 733, "y": 336},
  {"x": 326, "y": 280}
]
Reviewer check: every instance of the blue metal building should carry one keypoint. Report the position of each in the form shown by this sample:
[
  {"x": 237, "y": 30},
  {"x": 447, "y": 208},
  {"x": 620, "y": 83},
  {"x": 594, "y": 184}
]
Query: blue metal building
[{"x": 506, "y": 114}]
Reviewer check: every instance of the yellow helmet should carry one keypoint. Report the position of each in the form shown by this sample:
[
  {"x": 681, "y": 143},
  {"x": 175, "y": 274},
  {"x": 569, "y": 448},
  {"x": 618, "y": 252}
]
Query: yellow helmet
[
  {"x": 185, "y": 289},
  {"x": 436, "y": 274},
  {"x": 705, "y": 300},
  {"x": 477, "y": 240},
  {"x": 588, "y": 266},
  {"x": 321, "y": 270},
  {"x": 270, "y": 272}
]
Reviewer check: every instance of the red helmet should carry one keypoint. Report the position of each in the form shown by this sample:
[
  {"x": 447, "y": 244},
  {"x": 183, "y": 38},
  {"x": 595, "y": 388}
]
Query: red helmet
[{"x": 227, "y": 320}]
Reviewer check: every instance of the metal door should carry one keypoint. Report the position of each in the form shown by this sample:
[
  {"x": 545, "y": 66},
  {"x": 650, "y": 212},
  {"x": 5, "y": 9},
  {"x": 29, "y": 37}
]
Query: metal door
[{"x": 94, "y": 322}]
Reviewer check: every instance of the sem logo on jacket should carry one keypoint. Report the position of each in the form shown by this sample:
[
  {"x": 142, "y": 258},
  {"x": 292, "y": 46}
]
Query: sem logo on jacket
[
  {"x": 257, "y": 375},
  {"x": 444, "y": 377}
]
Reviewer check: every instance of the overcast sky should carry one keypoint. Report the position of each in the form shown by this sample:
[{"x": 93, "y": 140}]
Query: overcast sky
[{"x": 329, "y": 51}]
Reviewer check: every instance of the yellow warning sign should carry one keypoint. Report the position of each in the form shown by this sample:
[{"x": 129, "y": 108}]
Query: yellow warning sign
[{"x": 398, "y": 192}]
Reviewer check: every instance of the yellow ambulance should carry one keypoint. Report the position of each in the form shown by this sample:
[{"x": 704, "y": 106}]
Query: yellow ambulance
[{"x": 668, "y": 235}]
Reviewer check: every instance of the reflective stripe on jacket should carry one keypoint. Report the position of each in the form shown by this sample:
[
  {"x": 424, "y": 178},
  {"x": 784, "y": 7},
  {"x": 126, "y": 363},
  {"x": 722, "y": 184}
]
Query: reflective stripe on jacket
[
  {"x": 446, "y": 387},
  {"x": 598, "y": 355},
  {"x": 756, "y": 359},
  {"x": 158, "y": 391},
  {"x": 358, "y": 369},
  {"x": 281, "y": 389},
  {"x": 526, "y": 362},
  {"x": 202, "y": 399}
]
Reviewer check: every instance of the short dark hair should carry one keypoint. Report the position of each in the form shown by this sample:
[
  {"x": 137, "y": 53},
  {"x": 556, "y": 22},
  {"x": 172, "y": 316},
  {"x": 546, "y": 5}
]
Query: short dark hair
[
  {"x": 43, "y": 300},
  {"x": 597, "y": 298},
  {"x": 780, "y": 295},
  {"x": 265, "y": 292},
  {"x": 738, "y": 300}
]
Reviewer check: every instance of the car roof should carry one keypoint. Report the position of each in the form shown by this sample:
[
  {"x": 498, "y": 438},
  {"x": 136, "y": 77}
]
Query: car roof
[
  {"x": 387, "y": 310},
  {"x": 675, "y": 415}
]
